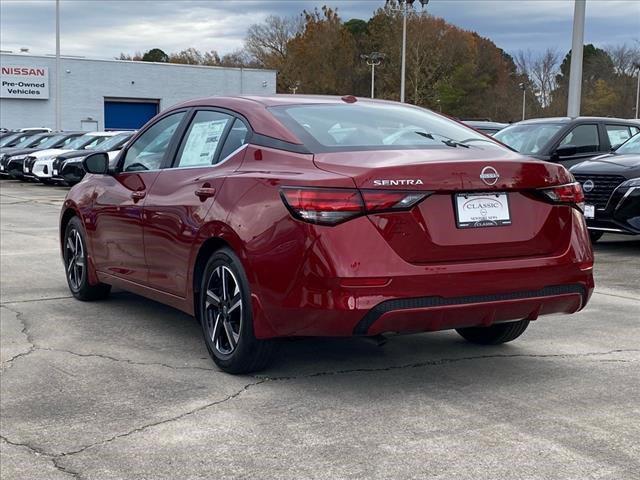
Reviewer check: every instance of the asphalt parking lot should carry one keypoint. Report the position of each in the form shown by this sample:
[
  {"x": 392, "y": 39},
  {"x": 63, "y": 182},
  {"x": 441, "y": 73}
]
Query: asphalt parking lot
[{"x": 124, "y": 388}]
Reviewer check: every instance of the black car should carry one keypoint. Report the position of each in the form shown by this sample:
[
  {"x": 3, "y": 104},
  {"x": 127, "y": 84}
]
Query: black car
[
  {"x": 68, "y": 167},
  {"x": 33, "y": 144},
  {"x": 567, "y": 141},
  {"x": 16, "y": 138},
  {"x": 611, "y": 185},
  {"x": 485, "y": 126}
]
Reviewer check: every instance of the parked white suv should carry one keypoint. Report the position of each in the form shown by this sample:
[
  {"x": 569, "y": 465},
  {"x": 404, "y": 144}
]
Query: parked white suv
[{"x": 39, "y": 165}]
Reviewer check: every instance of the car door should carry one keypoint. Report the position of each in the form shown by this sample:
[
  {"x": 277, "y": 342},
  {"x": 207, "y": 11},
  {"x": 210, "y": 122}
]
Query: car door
[
  {"x": 585, "y": 137},
  {"x": 117, "y": 233},
  {"x": 177, "y": 205}
]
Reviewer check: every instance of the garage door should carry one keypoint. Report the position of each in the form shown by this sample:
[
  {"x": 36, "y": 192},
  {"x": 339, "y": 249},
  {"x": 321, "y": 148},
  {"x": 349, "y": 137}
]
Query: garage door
[{"x": 123, "y": 115}]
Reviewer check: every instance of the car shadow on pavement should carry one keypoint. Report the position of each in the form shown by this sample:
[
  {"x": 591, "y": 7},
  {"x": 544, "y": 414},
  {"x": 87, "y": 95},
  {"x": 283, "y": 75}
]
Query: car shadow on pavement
[
  {"x": 178, "y": 337},
  {"x": 618, "y": 244}
]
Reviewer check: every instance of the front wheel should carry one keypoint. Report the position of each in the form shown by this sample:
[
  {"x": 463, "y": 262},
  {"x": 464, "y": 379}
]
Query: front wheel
[
  {"x": 227, "y": 318},
  {"x": 75, "y": 263},
  {"x": 495, "y": 334}
]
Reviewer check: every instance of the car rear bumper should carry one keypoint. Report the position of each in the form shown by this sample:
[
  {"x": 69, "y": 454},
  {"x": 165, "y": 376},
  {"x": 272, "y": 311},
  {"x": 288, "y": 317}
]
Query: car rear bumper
[
  {"x": 438, "y": 313},
  {"x": 394, "y": 296}
]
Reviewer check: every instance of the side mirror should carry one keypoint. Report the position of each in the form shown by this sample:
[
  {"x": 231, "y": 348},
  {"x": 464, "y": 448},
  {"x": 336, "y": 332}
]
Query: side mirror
[
  {"x": 97, "y": 163},
  {"x": 566, "y": 151}
]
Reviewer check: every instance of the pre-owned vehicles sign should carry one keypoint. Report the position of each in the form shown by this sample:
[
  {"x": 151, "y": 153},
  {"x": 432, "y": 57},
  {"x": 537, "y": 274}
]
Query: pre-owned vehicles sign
[{"x": 24, "y": 82}]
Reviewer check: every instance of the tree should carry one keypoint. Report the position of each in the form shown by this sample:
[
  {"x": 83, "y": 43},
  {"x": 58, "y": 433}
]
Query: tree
[
  {"x": 598, "y": 75},
  {"x": 541, "y": 71},
  {"x": 155, "y": 55},
  {"x": 322, "y": 57},
  {"x": 268, "y": 42}
]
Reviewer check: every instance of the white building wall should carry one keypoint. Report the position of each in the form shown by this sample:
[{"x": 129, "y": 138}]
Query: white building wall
[{"x": 86, "y": 83}]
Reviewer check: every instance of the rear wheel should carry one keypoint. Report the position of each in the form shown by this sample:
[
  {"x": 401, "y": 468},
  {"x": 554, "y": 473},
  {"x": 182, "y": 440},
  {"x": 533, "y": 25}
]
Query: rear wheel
[
  {"x": 227, "y": 318},
  {"x": 595, "y": 236},
  {"x": 75, "y": 262},
  {"x": 495, "y": 334}
]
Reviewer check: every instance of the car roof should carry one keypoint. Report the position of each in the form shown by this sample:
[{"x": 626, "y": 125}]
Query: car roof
[
  {"x": 485, "y": 124},
  {"x": 576, "y": 119}
]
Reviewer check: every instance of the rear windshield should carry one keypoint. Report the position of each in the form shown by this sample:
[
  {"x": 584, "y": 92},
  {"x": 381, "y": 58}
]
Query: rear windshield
[
  {"x": 528, "y": 138},
  {"x": 339, "y": 127}
]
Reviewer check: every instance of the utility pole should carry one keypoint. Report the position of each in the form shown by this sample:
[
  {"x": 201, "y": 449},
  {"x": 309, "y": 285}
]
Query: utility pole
[
  {"x": 523, "y": 87},
  {"x": 637, "y": 65},
  {"x": 404, "y": 50},
  {"x": 58, "y": 121},
  {"x": 403, "y": 6},
  {"x": 373, "y": 60},
  {"x": 575, "y": 75}
]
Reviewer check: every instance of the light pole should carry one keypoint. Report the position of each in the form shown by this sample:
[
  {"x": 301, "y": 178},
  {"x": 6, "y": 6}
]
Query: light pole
[
  {"x": 373, "y": 60},
  {"x": 575, "y": 75},
  {"x": 637, "y": 65},
  {"x": 403, "y": 6},
  {"x": 523, "y": 87},
  {"x": 58, "y": 119}
]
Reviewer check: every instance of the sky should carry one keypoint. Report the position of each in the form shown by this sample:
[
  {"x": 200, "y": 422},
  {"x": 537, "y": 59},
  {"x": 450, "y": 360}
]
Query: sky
[{"x": 105, "y": 28}]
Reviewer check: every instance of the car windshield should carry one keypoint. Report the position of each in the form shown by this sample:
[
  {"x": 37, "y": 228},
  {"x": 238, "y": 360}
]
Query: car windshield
[
  {"x": 51, "y": 141},
  {"x": 8, "y": 139},
  {"x": 336, "y": 127},
  {"x": 630, "y": 146},
  {"x": 86, "y": 141},
  {"x": 114, "y": 142},
  {"x": 528, "y": 138},
  {"x": 33, "y": 141}
]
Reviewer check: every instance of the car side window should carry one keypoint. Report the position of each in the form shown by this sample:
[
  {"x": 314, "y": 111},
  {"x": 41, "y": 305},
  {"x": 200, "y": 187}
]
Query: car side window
[
  {"x": 202, "y": 140},
  {"x": 618, "y": 134},
  {"x": 147, "y": 152},
  {"x": 584, "y": 137},
  {"x": 236, "y": 138}
]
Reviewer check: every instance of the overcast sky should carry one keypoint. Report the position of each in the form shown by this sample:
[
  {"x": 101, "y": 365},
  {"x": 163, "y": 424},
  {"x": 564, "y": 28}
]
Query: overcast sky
[{"x": 104, "y": 28}]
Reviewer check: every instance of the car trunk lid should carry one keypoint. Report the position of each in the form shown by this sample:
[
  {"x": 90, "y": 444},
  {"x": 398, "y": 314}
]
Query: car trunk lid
[{"x": 433, "y": 231}]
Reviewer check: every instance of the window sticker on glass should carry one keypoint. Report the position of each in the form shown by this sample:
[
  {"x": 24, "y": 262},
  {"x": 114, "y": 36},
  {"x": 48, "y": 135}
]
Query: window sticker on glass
[{"x": 201, "y": 143}]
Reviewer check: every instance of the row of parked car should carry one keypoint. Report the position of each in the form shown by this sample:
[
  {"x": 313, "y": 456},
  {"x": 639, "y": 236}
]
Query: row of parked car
[
  {"x": 54, "y": 157},
  {"x": 602, "y": 153}
]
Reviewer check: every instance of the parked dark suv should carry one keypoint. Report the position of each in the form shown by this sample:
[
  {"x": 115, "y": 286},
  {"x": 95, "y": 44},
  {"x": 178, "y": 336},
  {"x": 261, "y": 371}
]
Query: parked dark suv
[
  {"x": 568, "y": 140},
  {"x": 611, "y": 185}
]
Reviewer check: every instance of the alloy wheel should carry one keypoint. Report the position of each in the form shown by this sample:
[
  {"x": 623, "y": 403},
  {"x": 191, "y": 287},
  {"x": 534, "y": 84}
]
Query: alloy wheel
[
  {"x": 74, "y": 254},
  {"x": 223, "y": 310}
]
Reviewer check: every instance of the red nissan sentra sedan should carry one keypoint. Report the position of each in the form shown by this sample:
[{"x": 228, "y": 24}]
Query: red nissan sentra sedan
[{"x": 281, "y": 216}]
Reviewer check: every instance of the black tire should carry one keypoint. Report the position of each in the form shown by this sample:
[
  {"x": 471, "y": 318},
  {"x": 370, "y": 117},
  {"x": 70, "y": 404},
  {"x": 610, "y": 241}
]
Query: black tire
[
  {"x": 227, "y": 325},
  {"x": 75, "y": 264},
  {"x": 495, "y": 334},
  {"x": 595, "y": 236}
]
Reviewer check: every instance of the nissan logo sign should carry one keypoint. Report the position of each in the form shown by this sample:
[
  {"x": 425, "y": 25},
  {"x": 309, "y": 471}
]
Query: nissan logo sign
[
  {"x": 489, "y": 175},
  {"x": 588, "y": 186}
]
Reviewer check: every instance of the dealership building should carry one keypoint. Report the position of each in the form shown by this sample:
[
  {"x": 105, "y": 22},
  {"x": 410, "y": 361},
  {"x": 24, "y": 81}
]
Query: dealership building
[{"x": 110, "y": 94}]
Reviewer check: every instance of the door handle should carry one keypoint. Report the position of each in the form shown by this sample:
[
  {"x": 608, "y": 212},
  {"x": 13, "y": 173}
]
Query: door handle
[
  {"x": 139, "y": 195},
  {"x": 204, "y": 192}
]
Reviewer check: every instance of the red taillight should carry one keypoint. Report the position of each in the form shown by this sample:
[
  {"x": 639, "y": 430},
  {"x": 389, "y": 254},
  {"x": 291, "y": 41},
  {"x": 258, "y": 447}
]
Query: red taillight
[
  {"x": 571, "y": 194},
  {"x": 330, "y": 206}
]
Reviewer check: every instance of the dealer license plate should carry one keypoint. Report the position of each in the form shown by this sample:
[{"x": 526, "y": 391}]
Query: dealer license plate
[
  {"x": 589, "y": 211},
  {"x": 55, "y": 172},
  {"x": 482, "y": 210}
]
